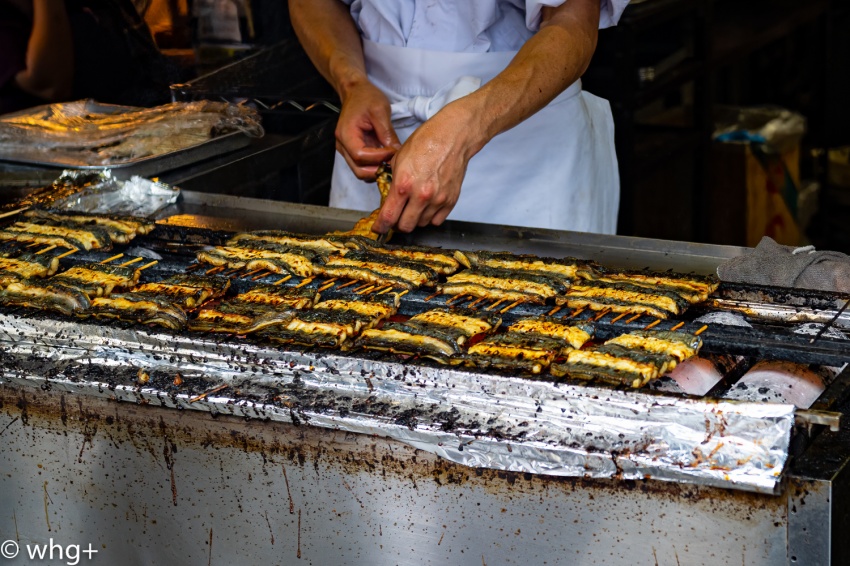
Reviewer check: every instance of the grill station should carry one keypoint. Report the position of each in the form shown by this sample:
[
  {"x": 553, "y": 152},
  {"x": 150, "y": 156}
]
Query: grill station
[{"x": 226, "y": 448}]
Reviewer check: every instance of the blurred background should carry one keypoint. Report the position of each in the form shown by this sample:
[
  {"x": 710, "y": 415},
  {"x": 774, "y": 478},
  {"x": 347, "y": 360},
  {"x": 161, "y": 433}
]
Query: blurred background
[{"x": 731, "y": 117}]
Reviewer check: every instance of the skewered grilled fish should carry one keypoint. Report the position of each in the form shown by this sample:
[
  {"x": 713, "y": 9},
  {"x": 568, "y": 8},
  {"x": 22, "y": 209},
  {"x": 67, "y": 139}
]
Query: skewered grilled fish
[
  {"x": 280, "y": 297},
  {"x": 26, "y": 237},
  {"x": 565, "y": 268},
  {"x": 613, "y": 305},
  {"x": 186, "y": 290},
  {"x": 460, "y": 323},
  {"x": 28, "y": 265},
  {"x": 143, "y": 309},
  {"x": 327, "y": 328},
  {"x": 443, "y": 262},
  {"x": 631, "y": 367},
  {"x": 370, "y": 312},
  {"x": 320, "y": 244},
  {"x": 695, "y": 288},
  {"x": 504, "y": 284},
  {"x": 625, "y": 292},
  {"x": 44, "y": 295},
  {"x": 573, "y": 336},
  {"x": 679, "y": 345},
  {"x": 8, "y": 277},
  {"x": 265, "y": 255},
  {"x": 238, "y": 317},
  {"x": 378, "y": 269},
  {"x": 512, "y": 350},
  {"x": 88, "y": 238},
  {"x": 97, "y": 280},
  {"x": 121, "y": 229},
  {"x": 410, "y": 339}
]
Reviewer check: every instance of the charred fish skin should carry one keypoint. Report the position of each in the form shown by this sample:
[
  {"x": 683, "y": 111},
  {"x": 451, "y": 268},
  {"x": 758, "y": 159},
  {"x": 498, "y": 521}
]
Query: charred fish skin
[
  {"x": 410, "y": 339},
  {"x": 515, "y": 351},
  {"x": 585, "y": 372},
  {"x": 574, "y": 335},
  {"x": 45, "y": 295},
  {"x": 28, "y": 265},
  {"x": 443, "y": 262},
  {"x": 137, "y": 308},
  {"x": 128, "y": 225},
  {"x": 273, "y": 257},
  {"x": 613, "y": 305},
  {"x": 322, "y": 244},
  {"x": 666, "y": 300},
  {"x": 565, "y": 268},
  {"x": 378, "y": 269},
  {"x": 280, "y": 297},
  {"x": 88, "y": 238},
  {"x": 679, "y": 345},
  {"x": 26, "y": 237},
  {"x": 539, "y": 283},
  {"x": 238, "y": 317},
  {"x": 458, "y": 322}
]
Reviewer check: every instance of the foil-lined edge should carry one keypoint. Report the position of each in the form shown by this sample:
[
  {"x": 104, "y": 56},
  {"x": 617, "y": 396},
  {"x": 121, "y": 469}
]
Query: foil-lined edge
[{"x": 544, "y": 428}]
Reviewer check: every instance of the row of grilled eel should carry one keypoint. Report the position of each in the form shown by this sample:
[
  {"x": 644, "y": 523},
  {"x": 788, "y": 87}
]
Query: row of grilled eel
[
  {"x": 501, "y": 276},
  {"x": 75, "y": 230}
]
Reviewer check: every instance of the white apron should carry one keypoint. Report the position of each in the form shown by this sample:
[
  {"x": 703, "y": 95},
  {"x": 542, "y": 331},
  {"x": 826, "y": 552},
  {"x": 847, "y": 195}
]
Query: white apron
[{"x": 557, "y": 169}]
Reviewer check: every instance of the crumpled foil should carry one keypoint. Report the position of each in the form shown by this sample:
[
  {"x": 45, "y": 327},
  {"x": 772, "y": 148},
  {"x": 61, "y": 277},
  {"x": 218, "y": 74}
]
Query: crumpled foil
[
  {"x": 87, "y": 133},
  {"x": 136, "y": 196},
  {"x": 470, "y": 418}
]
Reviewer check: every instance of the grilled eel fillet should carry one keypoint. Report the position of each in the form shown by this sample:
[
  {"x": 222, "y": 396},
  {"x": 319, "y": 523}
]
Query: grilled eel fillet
[
  {"x": 615, "y": 364},
  {"x": 437, "y": 334},
  {"x": 239, "y": 317},
  {"x": 319, "y": 244},
  {"x": 378, "y": 269},
  {"x": 44, "y": 295},
  {"x": 263, "y": 255},
  {"x": 694, "y": 288},
  {"x": 512, "y": 350},
  {"x": 443, "y": 262},
  {"x": 97, "y": 280},
  {"x": 678, "y": 345},
  {"x": 29, "y": 265},
  {"x": 121, "y": 229},
  {"x": 370, "y": 312},
  {"x": 144, "y": 309},
  {"x": 572, "y": 336},
  {"x": 507, "y": 284},
  {"x": 74, "y": 236},
  {"x": 280, "y": 297},
  {"x": 565, "y": 268},
  {"x": 326, "y": 328},
  {"x": 186, "y": 290},
  {"x": 663, "y": 300}
]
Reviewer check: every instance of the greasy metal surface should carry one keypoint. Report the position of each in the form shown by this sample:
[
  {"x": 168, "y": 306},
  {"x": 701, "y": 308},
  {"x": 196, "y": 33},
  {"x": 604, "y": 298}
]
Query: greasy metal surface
[
  {"x": 152, "y": 486},
  {"x": 481, "y": 420},
  {"x": 229, "y": 212}
]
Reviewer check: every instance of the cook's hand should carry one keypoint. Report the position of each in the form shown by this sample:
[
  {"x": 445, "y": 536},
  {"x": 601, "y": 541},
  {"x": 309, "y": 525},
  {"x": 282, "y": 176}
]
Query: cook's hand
[
  {"x": 427, "y": 175},
  {"x": 364, "y": 133}
]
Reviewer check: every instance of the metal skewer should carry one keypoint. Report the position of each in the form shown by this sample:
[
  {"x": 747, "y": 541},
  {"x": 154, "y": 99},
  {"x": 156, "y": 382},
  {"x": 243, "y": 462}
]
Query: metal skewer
[{"x": 830, "y": 323}]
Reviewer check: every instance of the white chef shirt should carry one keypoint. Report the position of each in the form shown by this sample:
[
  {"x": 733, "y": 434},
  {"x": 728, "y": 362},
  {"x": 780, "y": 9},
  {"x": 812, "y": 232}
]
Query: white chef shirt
[{"x": 461, "y": 25}]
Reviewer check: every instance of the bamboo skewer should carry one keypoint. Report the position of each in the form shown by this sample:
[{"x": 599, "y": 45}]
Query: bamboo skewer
[
  {"x": 284, "y": 280},
  {"x": 386, "y": 289},
  {"x": 555, "y": 310},
  {"x": 494, "y": 305},
  {"x": 475, "y": 302},
  {"x": 701, "y": 330},
  {"x": 132, "y": 261},
  {"x": 456, "y": 298},
  {"x": 305, "y": 282},
  {"x": 678, "y": 326},
  {"x": 576, "y": 313},
  {"x": 367, "y": 290},
  {"x": 326, "y": 285},
  {"x": 403, "y": 293},
  {"x": 514, "y": 304},
  {"x": 634, "y": 318},
  {"x": 210, "y": 392},
  {"x": 619, "y": 316},
  {"x": 14, "y": 212},
  {"x": 429, "y": 297},
  {"x": 192, "y": 266},
  {"x": 600, "y": 316},
  {"x": 652, "y": 324},
  {"x": 66, "y": 254},
  {"x": 109, "y": 259},
  {"x": 253, "y": 272},
  {"x": 54, "y": 246},
  {"x": 261, "y": 275},
  {"x": 147, "y": 265},
  {"x": 350, "y": 283},
  {"x": 215, "y": 270}
]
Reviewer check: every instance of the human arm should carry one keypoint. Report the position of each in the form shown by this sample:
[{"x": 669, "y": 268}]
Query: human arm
[
  {"x": 364, "y": 133},
  {"x": 429, "y": 168},
  {"x": 49, "y": 71}
]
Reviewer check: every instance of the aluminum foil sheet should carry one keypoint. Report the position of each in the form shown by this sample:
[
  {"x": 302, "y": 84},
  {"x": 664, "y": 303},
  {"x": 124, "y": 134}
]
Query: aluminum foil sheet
[{"x": 475, "y": 419}]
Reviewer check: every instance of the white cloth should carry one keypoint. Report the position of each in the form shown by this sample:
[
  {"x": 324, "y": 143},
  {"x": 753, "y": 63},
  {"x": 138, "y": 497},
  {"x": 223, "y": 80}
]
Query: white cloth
[{"x": 557, "y": 169}]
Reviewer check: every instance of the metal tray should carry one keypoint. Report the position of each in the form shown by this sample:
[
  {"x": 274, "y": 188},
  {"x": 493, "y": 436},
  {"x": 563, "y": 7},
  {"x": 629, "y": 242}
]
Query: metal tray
[{"x": 146, "y": 166}]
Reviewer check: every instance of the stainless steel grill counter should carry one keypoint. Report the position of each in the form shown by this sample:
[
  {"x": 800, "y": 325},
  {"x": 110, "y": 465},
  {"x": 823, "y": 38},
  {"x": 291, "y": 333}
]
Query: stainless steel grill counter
[{"x": 163, "y": 447}]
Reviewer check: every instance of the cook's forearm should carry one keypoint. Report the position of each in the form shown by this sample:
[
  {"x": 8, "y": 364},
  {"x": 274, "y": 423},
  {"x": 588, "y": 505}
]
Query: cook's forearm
[
  {"x": 548, "y": 63},
  {"x": 49, "y": 71},
  {"x": 328, "y": 34}
]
